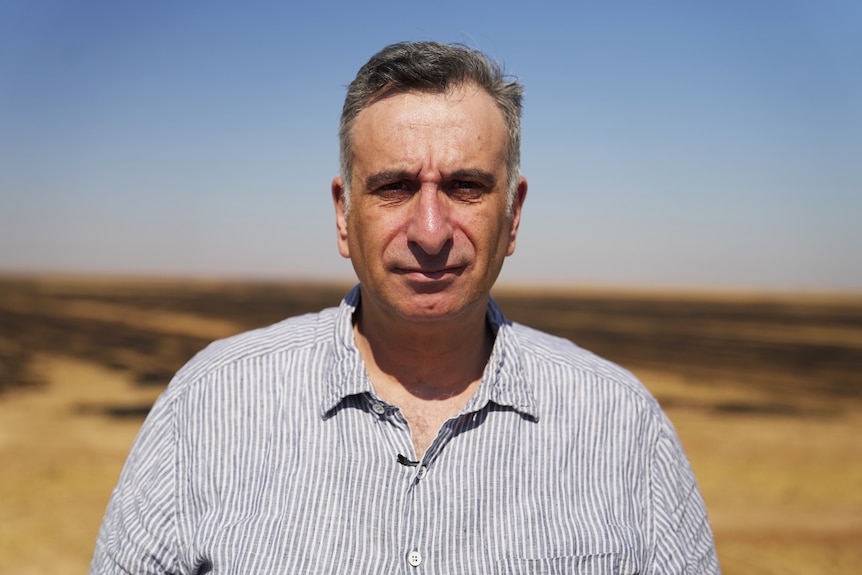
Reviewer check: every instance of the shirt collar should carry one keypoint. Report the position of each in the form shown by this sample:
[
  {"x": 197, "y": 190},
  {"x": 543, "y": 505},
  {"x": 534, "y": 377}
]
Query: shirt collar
[{"x": 503, "y": 381}]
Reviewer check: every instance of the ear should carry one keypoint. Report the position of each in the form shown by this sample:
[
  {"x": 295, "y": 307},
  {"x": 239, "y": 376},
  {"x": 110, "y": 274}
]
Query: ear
[
  {"x": 340, "y": 216},
  {"x": 517, "y": 204}
]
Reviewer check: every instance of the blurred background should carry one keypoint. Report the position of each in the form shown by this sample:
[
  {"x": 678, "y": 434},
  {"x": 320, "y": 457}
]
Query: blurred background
[
  {"x": 694, "y": 214},
  {"x": 666, "y": 143}
]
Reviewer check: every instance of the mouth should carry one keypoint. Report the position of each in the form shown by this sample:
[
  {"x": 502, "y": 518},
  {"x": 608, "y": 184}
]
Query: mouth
[{"x": 431, "y": 274}]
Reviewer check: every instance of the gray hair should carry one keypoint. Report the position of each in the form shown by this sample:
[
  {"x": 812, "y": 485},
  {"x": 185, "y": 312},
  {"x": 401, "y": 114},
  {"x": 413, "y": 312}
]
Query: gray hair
[{"x": 431, "y": 67}]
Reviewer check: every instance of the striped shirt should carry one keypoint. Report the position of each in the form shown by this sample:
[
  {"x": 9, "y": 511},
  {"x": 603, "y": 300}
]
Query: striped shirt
[{"x": 270, "y": 453}]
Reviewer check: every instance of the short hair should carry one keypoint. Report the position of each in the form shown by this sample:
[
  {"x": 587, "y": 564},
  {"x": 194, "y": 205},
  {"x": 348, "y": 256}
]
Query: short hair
[{"x": 431, "y": 67}]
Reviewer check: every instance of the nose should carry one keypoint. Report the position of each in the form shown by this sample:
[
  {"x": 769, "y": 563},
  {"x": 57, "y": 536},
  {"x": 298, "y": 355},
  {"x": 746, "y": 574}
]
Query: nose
[{"x": 430, "y": 226}]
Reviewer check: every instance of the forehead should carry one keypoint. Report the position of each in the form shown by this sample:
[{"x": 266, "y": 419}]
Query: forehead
[{"x": 462, "y": 119}]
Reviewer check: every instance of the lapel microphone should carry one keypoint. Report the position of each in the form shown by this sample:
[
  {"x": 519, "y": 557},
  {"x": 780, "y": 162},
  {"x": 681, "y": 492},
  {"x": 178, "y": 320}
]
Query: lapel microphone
[{"x": 404, "y": 461}]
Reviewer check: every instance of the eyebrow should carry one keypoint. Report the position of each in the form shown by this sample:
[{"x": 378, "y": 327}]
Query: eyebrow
[
  {"x": 486, "y": 178},
  {"x": 375, "y": 180}
]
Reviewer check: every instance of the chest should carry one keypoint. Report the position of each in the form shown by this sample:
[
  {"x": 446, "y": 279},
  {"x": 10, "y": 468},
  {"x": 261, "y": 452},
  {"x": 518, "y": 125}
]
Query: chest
[
  {"x": 425, "y": 420},
  {"x": 493, "y": 490}
]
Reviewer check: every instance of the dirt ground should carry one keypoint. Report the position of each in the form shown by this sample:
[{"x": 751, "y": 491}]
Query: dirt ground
[{"x": 775, "y": 442}]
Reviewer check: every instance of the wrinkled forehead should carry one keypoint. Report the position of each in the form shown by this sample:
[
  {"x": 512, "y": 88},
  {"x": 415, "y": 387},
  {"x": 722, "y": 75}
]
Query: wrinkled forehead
[
  {"x": 459, "y": 119},
  {"x": 466, "y": 104}
]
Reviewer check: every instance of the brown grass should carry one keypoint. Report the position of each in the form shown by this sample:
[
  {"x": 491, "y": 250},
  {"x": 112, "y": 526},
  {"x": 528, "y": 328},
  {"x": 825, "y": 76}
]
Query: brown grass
[{"x": 765, "y": 391}]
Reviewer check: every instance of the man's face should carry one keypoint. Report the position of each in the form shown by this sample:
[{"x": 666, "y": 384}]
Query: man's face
[{"x": 428, "y": 227}]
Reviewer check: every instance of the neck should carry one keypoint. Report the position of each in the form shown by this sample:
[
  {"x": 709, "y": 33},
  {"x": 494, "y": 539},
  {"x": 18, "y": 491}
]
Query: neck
[{"x": 429, "y": 360}]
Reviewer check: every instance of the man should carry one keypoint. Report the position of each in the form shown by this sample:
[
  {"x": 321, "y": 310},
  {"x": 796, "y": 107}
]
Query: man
[{"x": 412, "y": 429}]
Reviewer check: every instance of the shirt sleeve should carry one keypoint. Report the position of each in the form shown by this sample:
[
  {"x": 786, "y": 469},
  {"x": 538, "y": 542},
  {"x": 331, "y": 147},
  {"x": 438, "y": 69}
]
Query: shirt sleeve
[
  {"x": 139, "y": 531},
  {"x": 683, "y": 537}
]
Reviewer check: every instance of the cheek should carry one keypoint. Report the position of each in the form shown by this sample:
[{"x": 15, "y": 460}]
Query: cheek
[
  {"x": 485, "y": 234},
  {"x": 372, "y": 238}
]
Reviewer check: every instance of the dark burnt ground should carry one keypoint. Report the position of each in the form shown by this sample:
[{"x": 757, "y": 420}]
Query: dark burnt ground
[
  {"x": 795, "y": 346},
  {"x": 792, "y": 346},
  {"x": 32, "y": 321}
]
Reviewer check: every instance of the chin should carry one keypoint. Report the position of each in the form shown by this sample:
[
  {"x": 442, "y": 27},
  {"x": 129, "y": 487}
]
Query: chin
[{"x": 431, "y": 307}]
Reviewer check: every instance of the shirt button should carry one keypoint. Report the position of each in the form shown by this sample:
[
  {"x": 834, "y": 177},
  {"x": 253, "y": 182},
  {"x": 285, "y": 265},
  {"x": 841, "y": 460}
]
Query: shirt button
[
  {"x": 414, "y": 558},
  {"x": 378, "y": 408},
  {"x": 422, "y": 472}
]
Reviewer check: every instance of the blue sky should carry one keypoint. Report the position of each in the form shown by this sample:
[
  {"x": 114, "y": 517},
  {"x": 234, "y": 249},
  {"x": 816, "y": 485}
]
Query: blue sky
[{"x": 666, "y": 143}]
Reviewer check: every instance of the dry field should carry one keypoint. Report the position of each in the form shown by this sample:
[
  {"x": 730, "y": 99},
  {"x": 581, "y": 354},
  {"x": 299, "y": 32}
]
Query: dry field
[{"x": 765, "y": 391}]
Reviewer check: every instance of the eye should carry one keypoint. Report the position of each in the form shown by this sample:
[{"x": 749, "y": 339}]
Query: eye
[
  {"x": 467, "y": 190},
  {"x": 394, "y": 191}
]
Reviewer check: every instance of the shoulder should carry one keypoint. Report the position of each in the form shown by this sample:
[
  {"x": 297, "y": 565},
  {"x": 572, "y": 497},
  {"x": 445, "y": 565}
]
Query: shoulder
[
  {"x": 263, "y": 349},
  {"x": 562, "y": 372},
  {"x": 545, "y": 351}
]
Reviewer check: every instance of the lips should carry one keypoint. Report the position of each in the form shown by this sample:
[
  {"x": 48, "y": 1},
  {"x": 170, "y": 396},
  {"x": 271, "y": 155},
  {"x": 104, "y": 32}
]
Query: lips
[{"x": 430, "y": 274}]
